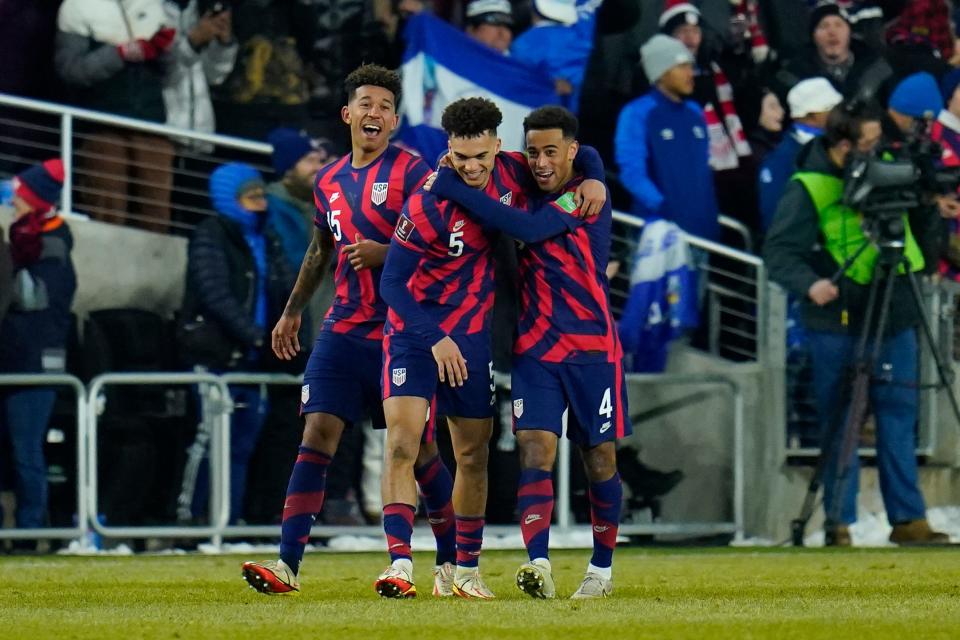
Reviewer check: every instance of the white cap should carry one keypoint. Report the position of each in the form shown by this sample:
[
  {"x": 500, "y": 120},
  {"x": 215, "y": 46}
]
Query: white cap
[
  {"x": 813, "y": 95},
  {"x": 498, "y": 8},
  {"x": 562, "y": 11}
]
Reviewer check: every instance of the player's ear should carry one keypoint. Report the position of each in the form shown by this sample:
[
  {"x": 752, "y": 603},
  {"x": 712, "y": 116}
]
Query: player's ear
[
  {"x": 396, "y": 121},
  {"x": 572, "y": 150},
  {"x": 345, "y": 114},
  {"x": 498, "y": 146}
]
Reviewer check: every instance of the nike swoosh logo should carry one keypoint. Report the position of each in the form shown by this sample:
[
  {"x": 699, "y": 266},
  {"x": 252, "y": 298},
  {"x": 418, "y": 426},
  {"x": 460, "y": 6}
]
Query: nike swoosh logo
[
  {"x": 605, "y": 427},
  {"x": 533, "y": 517}
]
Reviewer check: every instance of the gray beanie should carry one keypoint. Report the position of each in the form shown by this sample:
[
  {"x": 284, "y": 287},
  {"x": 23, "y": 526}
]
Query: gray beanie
[{"x": 660, "y": 54}]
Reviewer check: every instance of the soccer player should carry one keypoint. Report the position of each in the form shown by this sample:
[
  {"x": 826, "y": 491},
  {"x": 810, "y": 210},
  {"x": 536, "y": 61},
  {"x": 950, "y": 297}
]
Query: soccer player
[
  {"x": 358, "y": 200},
  {"x": 567, "y": 353},
  {"x": 438, "y": 283}
]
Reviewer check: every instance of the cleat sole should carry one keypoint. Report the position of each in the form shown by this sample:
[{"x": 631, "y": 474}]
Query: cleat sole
[
  {"x": 260, "y": 584},
  {"x": 531, "y": 583},
  {"x": 390, "y": 589}
]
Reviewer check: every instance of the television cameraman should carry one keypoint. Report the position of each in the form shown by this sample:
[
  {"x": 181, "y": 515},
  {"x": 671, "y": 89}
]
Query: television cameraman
[{"x": 812, "y": 235}]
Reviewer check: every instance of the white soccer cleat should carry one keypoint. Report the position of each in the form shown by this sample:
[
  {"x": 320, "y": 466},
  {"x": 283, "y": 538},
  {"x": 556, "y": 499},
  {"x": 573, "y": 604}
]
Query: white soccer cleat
[
  {"x": 395, "y": 582},
  {"x": 443, "y": 580},
  {"x": 593, "y": 586},
  {"x": 535, "y": 578},
  {"x": 468, "y": 584}
]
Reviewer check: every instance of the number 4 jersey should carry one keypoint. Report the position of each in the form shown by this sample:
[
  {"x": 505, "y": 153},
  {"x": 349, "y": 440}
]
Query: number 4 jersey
[{"x": 363, "y": 203}]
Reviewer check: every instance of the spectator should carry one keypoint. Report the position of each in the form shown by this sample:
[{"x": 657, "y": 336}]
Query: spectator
[
  {"x": 661, "y": 144},
  {"x": 491, "y": 22},
  {"x": 768, "y": 131},
  {"x": 812, "y": 235},
  {"x": 850, "y": 66},
  {"x": 296, "y": 161},
  {"x": 203, "y": 54},
  {"x": 946, "y": 132},
  {"x": 237, "y": 280},
  {"x": 810, "y": 101},
  {"x": 557, "y": 47},
  {"x": 34, "y": 331},
  {"x": 915, "y": 98},
  {"x": 714, "y": 90},
  {"x": 113, "y": 57}
]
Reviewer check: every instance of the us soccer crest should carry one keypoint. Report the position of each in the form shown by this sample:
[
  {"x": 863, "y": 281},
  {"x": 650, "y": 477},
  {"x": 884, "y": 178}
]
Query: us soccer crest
[
  {"x": 304, "y": 394},
  {"x": 399, "y": 377},
  {"x": 518, "y": 408},
  {"x": 507, "y": 199},
  {"x": 378, "y": 194}
]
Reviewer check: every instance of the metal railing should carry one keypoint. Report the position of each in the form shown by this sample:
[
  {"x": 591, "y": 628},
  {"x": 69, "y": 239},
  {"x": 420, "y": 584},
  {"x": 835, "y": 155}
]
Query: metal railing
[{"x": 59, "y": 380}]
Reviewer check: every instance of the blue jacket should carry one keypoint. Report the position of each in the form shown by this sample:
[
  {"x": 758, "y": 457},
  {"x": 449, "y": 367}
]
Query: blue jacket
[
  {"x": 559, "y": 52},
  {"x": 776, "y": 169},
  {"x": 662, "y": 150}
]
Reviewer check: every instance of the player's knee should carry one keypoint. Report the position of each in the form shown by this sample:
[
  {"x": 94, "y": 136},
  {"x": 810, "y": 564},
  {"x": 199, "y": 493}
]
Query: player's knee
[
  {"x": 322, "y": 433},
  {"x": 474, "y": 458},
  {"x": 600, "y": 462},
  {"x": 401, "y": 454},
  {"x": 536, "y": 454}
]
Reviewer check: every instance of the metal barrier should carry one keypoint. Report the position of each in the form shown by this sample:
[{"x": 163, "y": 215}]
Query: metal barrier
[
  {"x": 219, "y": 404},
  {"x": 58, "y": 380}
]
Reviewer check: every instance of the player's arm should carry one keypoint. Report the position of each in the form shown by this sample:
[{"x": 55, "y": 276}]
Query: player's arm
[
  {"x": 544, "y": 223},
  {"x": 284, "y": 338},
  {"x": 591, "y": 194}
]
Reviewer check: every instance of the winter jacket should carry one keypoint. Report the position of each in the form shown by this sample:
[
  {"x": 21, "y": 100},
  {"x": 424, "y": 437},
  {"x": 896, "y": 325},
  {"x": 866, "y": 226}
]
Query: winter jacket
[
  {"x": 33, "y": 335},
  {"x": 796, "y": 258},
  {"x": 87, "y": 59},
  {"x": 777, "y": 167},
  {"x": 869, "y": 72},
  {"x": 186, "y": 87},
  {"x": 663, "y": 153},
  {"x": 558, "y": 51}
]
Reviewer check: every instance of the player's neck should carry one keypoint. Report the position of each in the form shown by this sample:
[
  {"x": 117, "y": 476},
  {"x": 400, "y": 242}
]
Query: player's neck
[{"x": 360, "y": 158}]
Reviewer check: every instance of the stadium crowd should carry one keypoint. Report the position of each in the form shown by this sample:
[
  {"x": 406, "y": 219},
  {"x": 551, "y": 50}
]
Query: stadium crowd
[{"x": 695, "y": 110}]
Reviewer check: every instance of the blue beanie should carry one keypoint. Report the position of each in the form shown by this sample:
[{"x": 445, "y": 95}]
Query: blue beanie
[
  {"x": 226, "y": 185},
  {"x": 949, "y": 84},
  {"x": 917, "y": 96},
  {"x": 289, "y": 146}
]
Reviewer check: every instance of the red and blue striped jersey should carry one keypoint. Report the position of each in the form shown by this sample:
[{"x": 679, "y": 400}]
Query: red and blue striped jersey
[
  {"x": 453, "y": 282},
  {"x": 564, "y": 294},
  {"x": 365, "y": 202}
]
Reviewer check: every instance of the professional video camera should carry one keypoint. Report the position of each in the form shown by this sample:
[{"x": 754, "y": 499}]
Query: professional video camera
[{"x": 892, "y": 180}]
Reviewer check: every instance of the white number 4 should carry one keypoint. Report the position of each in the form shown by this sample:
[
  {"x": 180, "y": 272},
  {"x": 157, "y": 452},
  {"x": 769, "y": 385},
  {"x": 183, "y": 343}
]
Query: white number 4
[
  {"x": 456, "y": 244},
  {"x": 606, "y": 407},
  {"x": 334, "y": 223}
]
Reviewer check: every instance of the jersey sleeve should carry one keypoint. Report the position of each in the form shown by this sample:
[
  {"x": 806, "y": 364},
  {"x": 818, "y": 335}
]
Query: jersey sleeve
[
  {"x": 416, "y": 174},
  {"x": 415, "y": 230},
  {"x": 320, "y": 210},
  {"x": 516, "y": 163}
]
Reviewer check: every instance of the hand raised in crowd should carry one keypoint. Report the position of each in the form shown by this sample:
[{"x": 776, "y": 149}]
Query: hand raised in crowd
[
  {"x": 590, "y": 197},
  {"x": 451, "y": 364},
  {"x": 823, "y": 291},
  {"x": 366, "y": 254},
  {"x": 139, "y": 50},
  {"x": 948, "y": 206},
  {"x": 284, "y": 339},
  {"x": 211, "y": 26}
]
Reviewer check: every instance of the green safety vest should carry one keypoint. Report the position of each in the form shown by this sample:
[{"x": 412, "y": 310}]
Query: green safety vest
[{"x": 841, "y": 227}]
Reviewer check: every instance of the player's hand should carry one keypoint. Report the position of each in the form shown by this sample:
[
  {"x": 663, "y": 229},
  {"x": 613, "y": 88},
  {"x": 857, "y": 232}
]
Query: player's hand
[
  {"x": 823, "y": 291},
  {"x": 366, "y": 254},
  {"x": 451, "y": 364},
  {"x": 444, "y": 161},
  {"x": 948, "y": 206},
  {"x": 590, "y": 197},
  {"x": 284, "y": 340},
  {"x": 430, "y": 180}
]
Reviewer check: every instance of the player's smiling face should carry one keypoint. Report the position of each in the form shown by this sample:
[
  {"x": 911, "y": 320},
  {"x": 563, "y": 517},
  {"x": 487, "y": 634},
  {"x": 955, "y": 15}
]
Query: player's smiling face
[
  {"x": 474, "y": 158},
  {"x": 550, "y": 157},
  {"x": 372, "y": 116}
]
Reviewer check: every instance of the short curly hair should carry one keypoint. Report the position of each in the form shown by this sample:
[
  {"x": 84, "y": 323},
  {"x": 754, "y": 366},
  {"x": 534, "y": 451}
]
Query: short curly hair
[
  {"x": 552, "y": 117},
  {"x": 471, "y": 118},
  {"x": 374, "y": 75}
]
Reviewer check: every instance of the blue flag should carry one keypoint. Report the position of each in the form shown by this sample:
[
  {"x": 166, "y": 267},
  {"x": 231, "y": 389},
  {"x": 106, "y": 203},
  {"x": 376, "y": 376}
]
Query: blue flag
[{"x": 442, "y": 65}]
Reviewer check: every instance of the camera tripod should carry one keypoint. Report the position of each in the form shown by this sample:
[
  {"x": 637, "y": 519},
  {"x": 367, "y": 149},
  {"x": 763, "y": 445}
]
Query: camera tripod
[{"x": 856, "y": 395}]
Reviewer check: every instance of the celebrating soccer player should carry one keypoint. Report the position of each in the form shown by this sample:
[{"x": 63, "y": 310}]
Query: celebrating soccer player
[
  {"x": 567, "y": 353},
  {"x": 358, "y": 203}
]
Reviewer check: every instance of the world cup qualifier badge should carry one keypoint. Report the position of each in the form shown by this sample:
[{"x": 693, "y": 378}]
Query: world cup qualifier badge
[{"x": 405, "y": 227}]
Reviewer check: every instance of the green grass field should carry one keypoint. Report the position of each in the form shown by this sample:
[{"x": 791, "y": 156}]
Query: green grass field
[{"x": 702, "y": 594}]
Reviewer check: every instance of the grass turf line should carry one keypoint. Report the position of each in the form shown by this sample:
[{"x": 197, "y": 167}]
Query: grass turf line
[{"x": 698, "y": 594}]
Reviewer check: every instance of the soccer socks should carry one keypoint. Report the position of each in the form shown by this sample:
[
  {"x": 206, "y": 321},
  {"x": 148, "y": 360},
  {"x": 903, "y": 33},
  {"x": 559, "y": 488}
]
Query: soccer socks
[
  {"x": 469, "y": 540},
  {"x": 605, "y": 499},
  {"x": 304, "y": 500},
  {"x": 535, "y": 503},
  {"x": 436, "y": 487},
  {"x": 398, "y": 525}
]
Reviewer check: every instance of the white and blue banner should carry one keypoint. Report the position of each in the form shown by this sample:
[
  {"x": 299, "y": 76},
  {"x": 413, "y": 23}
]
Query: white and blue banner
[{"x": 442, "y": 65}]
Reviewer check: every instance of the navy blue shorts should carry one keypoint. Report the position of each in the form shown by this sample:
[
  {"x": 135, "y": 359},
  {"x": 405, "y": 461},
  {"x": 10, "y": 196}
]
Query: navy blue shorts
[
  {"x": 595, "y": 394},
  {"x": 409, "y": 369},
  {"x": 343, "y": 378}
]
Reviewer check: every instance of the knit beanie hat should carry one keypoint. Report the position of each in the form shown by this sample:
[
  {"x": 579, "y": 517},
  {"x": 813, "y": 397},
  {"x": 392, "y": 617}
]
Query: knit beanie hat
[
  {"x": 660, "y": 54},
  {"x": 677, "y": 13},
  {"x": 949, "y": 84},
  {"x": 40, "y": 184},
  {"x": 917, "y": 96},
  {"x": 289, "y": 146},
  {"x": 824, "y": 9}
]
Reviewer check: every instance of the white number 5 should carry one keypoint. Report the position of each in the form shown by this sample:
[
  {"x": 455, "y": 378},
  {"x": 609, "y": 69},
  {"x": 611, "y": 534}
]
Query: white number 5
[
  {"x": 456, "y": 244},
  {"x": 334, "y": 223}
]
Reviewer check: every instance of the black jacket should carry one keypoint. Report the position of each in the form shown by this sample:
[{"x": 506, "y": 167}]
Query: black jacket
[
  {"x": 868, "y": 69},
  {"x": 222, "y": 282},
  {"x": 796, "y": 259}
]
